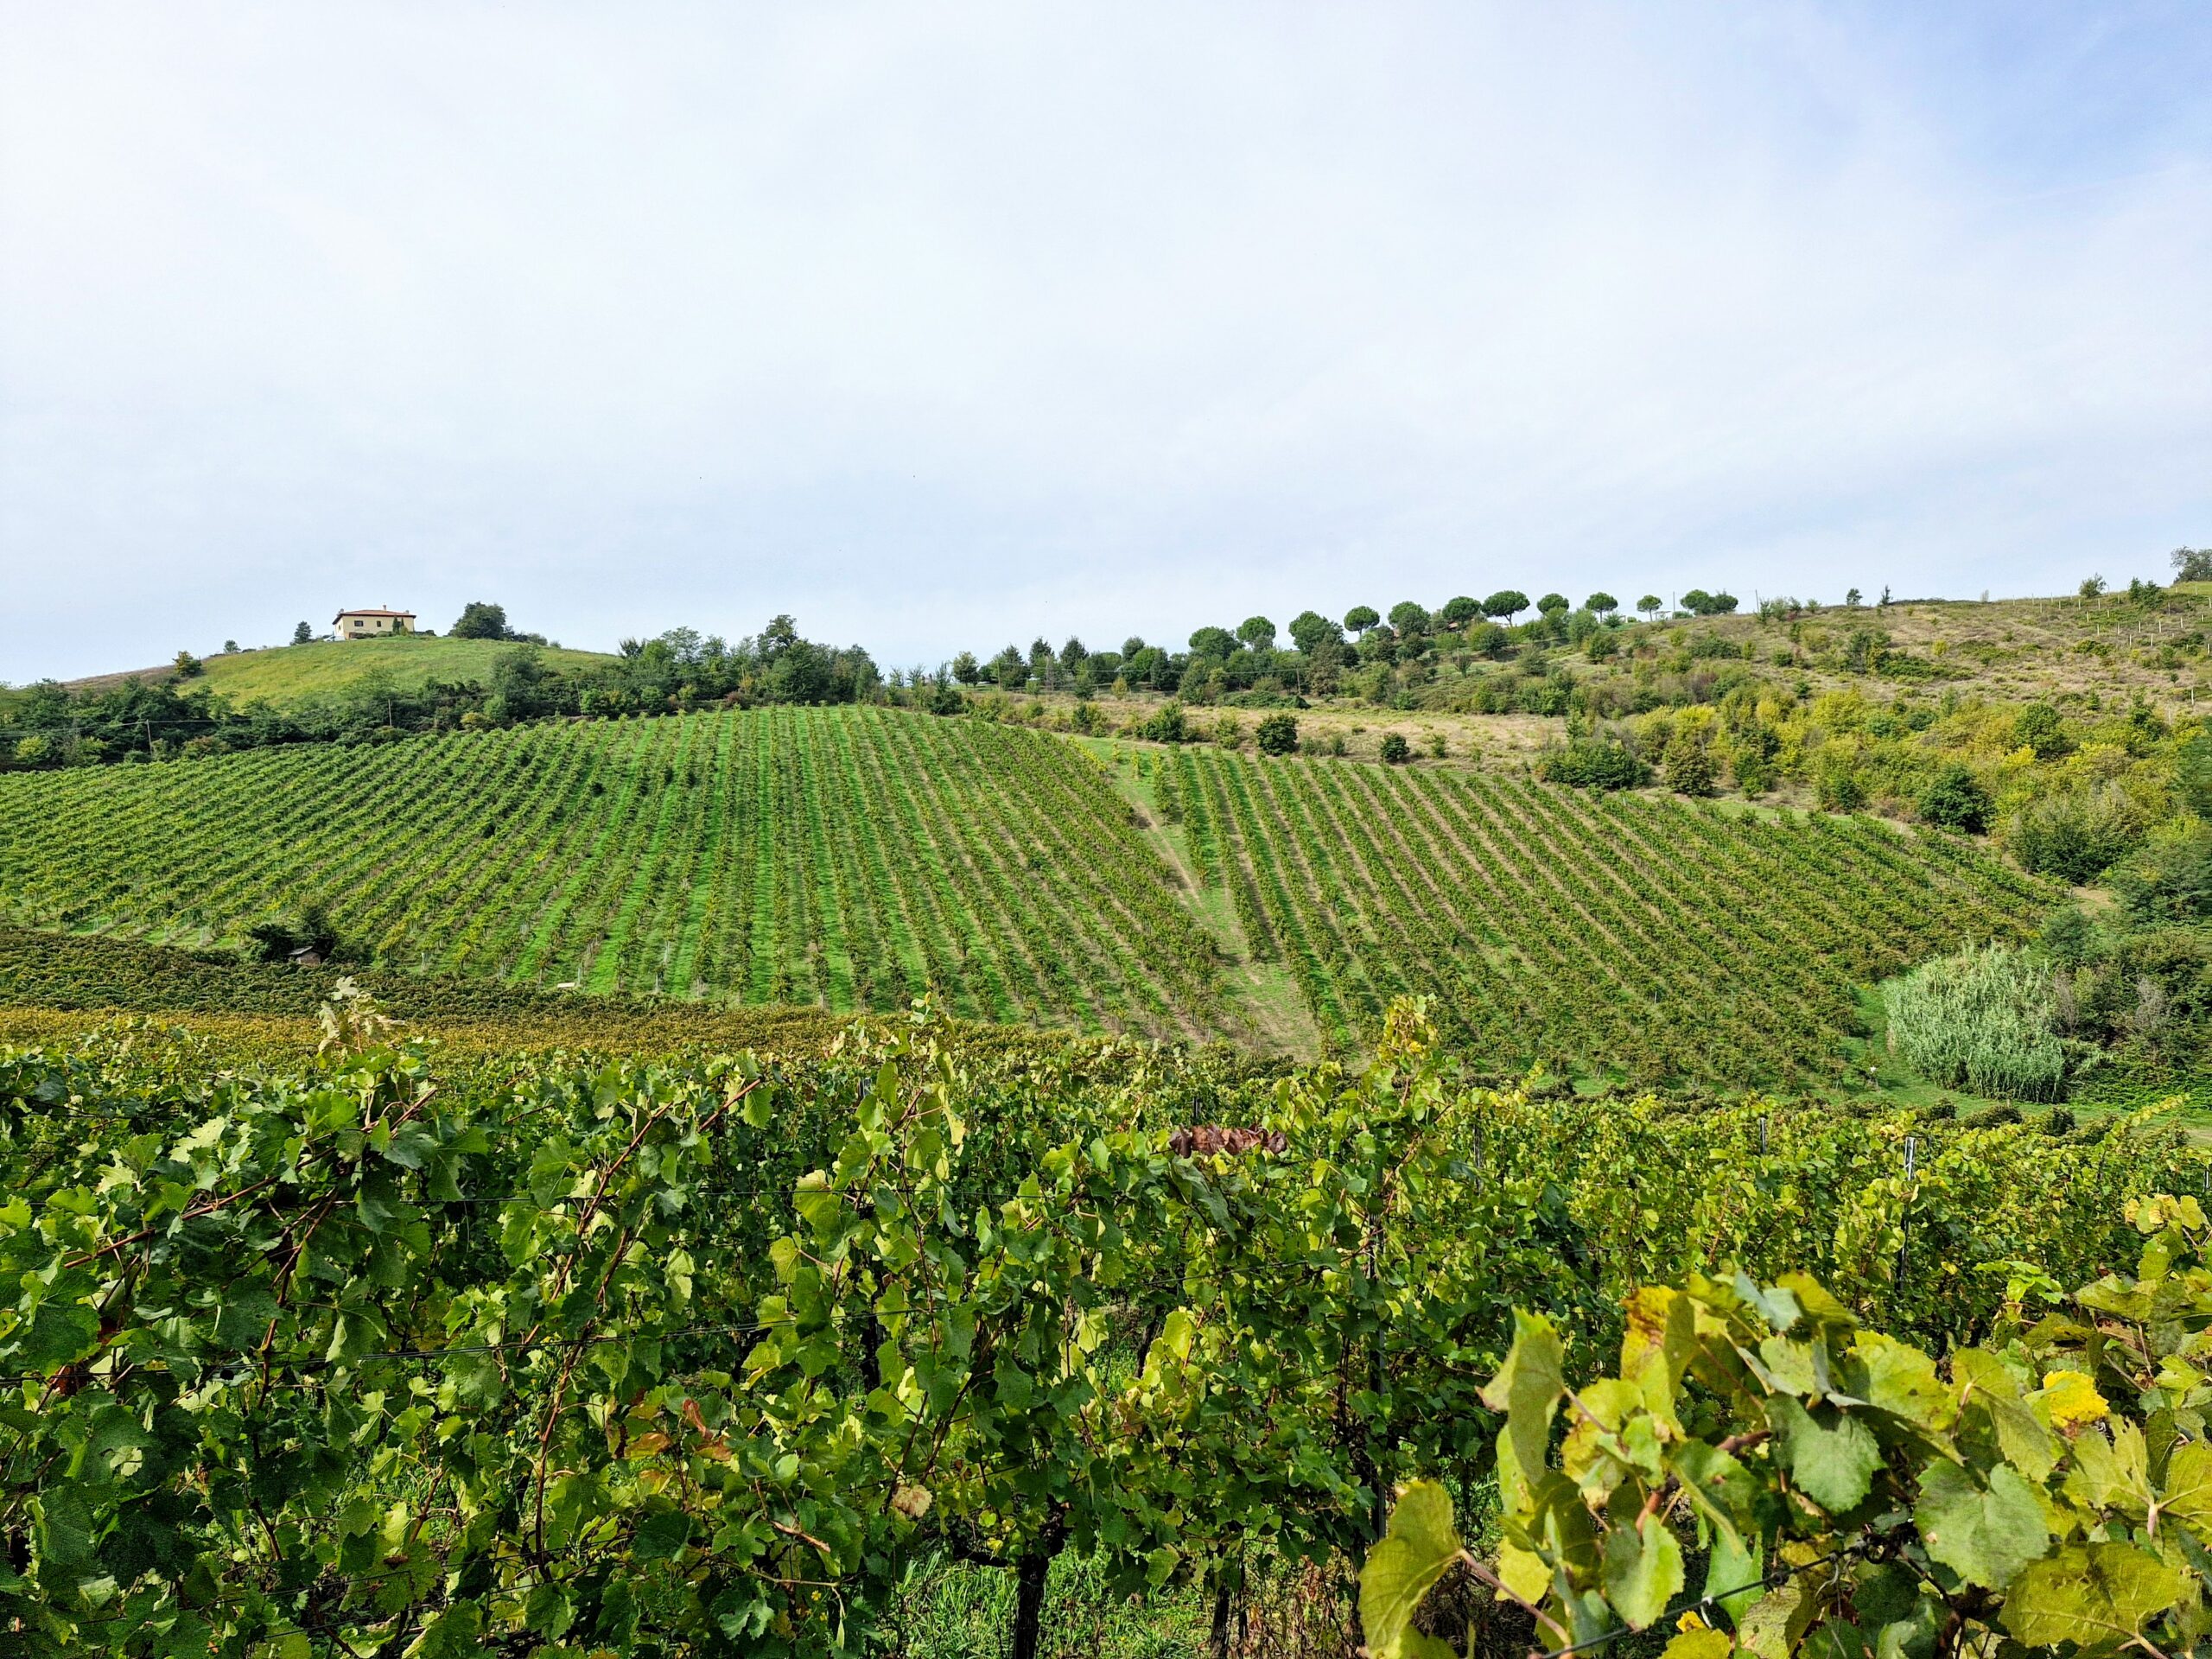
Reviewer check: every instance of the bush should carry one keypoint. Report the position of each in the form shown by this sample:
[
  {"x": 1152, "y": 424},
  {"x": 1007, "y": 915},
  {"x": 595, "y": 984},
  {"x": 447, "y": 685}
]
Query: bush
[
  {"x": 1593, "y": 764},
  {"x": 1277, "y": 735},
  {"x": 1954, "y": 799},
  {"x": 1167, "y": 724},
  {"x": 1985, "y": 1021},
  {"x": 2038, "y": 727},
  {"x": 946, "y": 699},
  {"x": 1396, "y": 749},
  {"x": 2075, "y": 837},
  {"x": 2059, "y": 1121},
  {"x": 1838, "y": 789},
  {"x": 2170, "y": 878}
]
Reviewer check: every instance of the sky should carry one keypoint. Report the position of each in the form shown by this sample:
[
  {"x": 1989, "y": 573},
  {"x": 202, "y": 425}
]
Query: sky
[{"x": 945, "y": 325}]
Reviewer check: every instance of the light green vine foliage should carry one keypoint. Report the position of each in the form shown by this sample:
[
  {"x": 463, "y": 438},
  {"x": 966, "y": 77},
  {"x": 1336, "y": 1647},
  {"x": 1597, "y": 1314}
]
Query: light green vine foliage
[{"x": 1846, "y": 1494}]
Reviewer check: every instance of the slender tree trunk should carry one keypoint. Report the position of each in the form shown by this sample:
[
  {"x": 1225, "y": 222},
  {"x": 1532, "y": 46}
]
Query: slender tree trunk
[
  {"x": 1220, "y": 1643},
  {"x": 1029, "y": 1603}
]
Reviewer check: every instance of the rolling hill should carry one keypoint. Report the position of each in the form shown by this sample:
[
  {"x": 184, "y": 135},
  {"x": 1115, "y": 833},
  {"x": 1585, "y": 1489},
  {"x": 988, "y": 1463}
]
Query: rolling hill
[
  {"x": 286, "y": 675},
  {"x": 851, "y": 859}
]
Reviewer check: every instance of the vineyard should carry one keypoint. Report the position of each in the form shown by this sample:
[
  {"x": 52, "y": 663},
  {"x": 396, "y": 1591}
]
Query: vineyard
[
  {"x": 1589, "y": 932},
  {"x": 364, "y": 1354},
  {"x": 853, "y": 859}
]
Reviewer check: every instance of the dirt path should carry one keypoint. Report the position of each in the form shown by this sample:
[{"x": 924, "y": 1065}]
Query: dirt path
[{"x": 1263, "y": 992}]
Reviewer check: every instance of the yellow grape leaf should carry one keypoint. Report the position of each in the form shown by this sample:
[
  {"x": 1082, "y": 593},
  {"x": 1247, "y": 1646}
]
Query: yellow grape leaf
[{"x": 2069, "y": 1401}]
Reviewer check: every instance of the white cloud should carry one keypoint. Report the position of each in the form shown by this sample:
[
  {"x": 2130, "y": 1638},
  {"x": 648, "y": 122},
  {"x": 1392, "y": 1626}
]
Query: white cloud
[{"x": 943, "y": 325}]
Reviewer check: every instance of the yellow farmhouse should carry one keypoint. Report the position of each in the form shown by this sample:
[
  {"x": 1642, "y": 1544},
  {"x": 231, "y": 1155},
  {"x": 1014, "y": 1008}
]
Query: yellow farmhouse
[{"x": 368, "y": 624}]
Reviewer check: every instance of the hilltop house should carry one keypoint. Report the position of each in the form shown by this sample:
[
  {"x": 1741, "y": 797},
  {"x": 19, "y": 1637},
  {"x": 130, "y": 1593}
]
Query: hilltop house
[{"x": 371, "y": 625}]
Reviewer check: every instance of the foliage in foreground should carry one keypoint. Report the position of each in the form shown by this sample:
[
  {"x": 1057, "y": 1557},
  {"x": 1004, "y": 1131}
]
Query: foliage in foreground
[
  {"x": 1845, "y": 1494},
  {"x": 703, "y": 1359}
]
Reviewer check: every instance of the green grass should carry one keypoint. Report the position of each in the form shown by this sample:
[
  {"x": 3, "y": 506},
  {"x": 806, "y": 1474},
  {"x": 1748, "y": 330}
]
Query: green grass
[{"x": 288, "y": 674}]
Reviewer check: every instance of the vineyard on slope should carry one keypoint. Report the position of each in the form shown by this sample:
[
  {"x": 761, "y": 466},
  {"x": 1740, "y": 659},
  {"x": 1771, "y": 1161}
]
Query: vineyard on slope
[
  {"x": 849, "y": 859},
  {"x": 1585, "y": 932}
]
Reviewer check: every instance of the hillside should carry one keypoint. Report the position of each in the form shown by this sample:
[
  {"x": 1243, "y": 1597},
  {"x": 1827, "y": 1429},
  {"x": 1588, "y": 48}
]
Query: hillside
[
  {"x": 852, "y": 859},
  {"x": 288, "y": 674}
]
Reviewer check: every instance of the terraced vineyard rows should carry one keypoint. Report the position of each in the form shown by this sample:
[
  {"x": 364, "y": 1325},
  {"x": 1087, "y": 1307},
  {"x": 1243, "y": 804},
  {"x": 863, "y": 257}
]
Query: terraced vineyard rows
[
  {"x": 848, "y": 858},
  {"x": 1648, "y": 935}
]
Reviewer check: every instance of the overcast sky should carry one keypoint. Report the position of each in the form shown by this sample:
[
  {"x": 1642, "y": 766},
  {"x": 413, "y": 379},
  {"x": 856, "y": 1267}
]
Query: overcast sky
[{"x": 949, "y": 324}]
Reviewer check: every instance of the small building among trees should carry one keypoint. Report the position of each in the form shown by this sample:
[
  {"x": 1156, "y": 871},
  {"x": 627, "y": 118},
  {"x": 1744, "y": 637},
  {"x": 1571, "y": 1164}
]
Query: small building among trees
[{"x": 372, "y": 625}]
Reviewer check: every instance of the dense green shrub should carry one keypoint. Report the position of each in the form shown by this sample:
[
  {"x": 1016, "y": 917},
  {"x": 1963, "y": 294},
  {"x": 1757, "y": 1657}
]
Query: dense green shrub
[
  {"x": 1984, "y": 1020},
  {"x": 2169, "y": 879},
  {"x": 1166, "y": 724},
  {"x": 1593, "y": 764},
  {"x": 2075, "y": 837},
  {"x": 1277, "y": 735},
  {"x": 1396, "y": 749},
  {"x": 1954, "y": 799}
]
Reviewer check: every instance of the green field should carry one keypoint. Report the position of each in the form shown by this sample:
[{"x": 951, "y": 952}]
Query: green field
[
  {"x": 852, "y": 859},
  {"x": 289, "y": 674}
]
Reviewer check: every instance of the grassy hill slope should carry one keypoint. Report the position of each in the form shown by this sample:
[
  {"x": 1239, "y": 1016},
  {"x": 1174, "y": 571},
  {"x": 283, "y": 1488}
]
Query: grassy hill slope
[
  {"x": 852, "y": 858},
  {"x": 289, "y": 674},
  {"x": 286, "y": 674}
]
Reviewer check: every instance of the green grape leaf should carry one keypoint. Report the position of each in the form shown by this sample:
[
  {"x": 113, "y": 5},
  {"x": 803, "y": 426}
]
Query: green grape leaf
[
  {"x": 1643, "y": 1570},
  {"x": 2096, "y": 1595},
  {"x": 2188, "y": 1487},
  {"x": 1985, "y": 1536},
  {"x": 1834, "y": 1461},
  {"x": 1527, "y": 1389},
  {"x": 1420, "y": 1545}
]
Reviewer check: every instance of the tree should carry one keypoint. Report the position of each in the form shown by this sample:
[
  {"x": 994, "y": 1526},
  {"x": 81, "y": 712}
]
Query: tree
[
  {"x": 1310, "y": 629},
  {"x": 229, "y": 646},
  {"x": 302, "y": 634},
  {"x": 188, "y": 666},
  {"x": 1458, "y": 612},
  {"x": 1395, "y": 750},
  {"x": 1698, "y": 602},
  {"x": 1954, "y": 799},
  {"x": 1408, "y": 618},
  {"x": 481, "y": 620},
  {"x": 965, "y": 669},
  {"x": 1507, "y": 602},
  {"x": 2192, "y": 563},
  {"x": 1552, "y": 604},
  {"x": 2092, "y": 588},
  {"x": 1277, "y": 735},
  {"x": 1689, "y": 767},
  {"x": 1604, "y": 604},
  {"x": 1851, "y": 599},
  {"x": 1258, "y": 632},
  {"x": 1649, "y": 605},
  {"x": 1360, "y": 618},
  {"x": 1010, "y": 669},
  {"x": 1213, "y": 643}
]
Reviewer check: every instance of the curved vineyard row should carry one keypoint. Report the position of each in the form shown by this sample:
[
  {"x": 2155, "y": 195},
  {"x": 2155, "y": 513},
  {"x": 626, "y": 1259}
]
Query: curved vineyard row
[
  {"x": 851, "y": 859},
  {"x": 1652, "y": 936}
]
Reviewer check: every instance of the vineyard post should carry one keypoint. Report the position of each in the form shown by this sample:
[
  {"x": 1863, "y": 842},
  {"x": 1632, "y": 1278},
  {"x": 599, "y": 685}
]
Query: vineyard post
[
  {"x": 1762, "y": 1123},
  {"x": 1905, "y": 1221}
]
